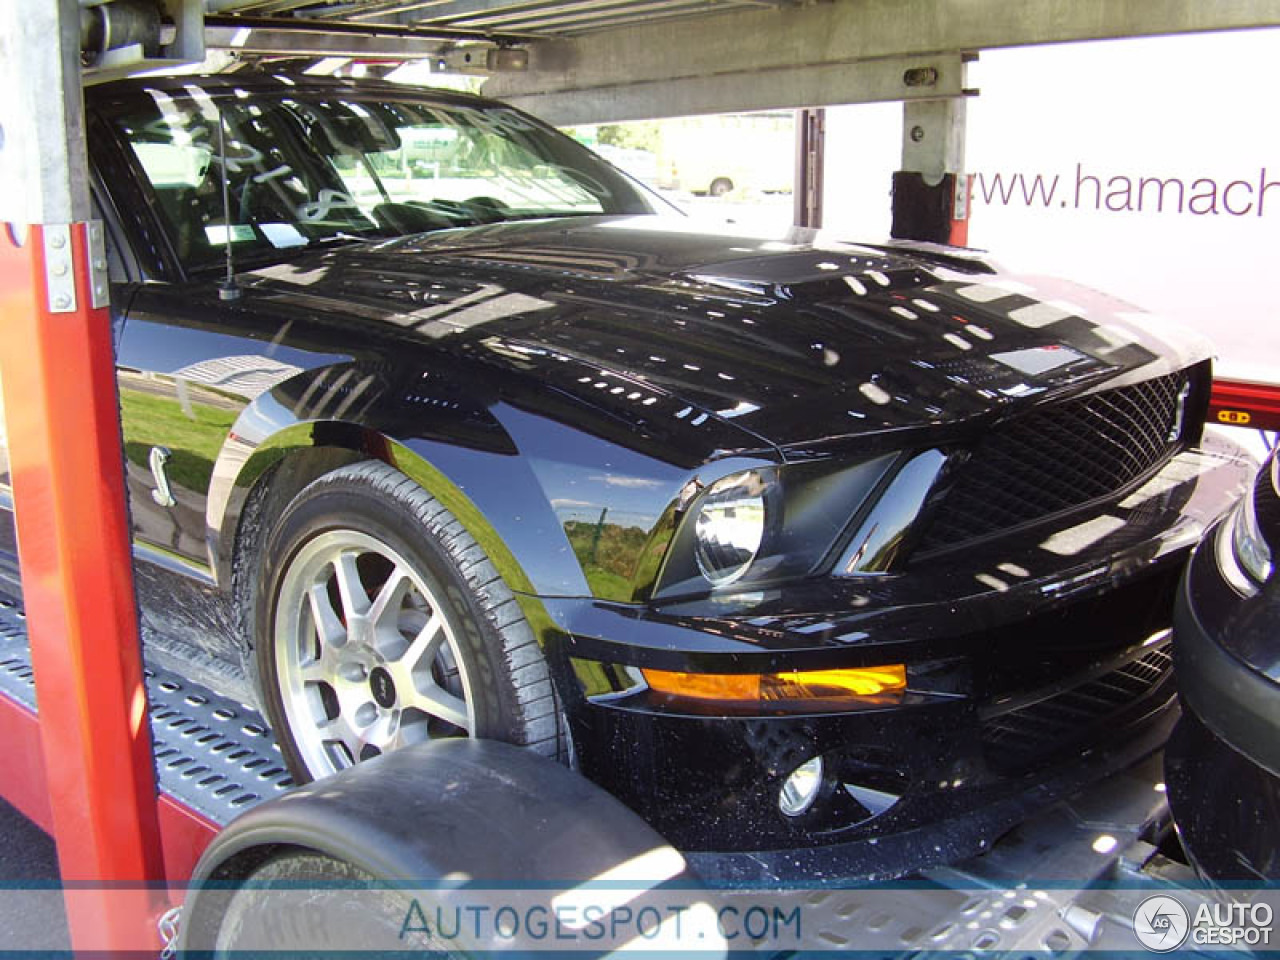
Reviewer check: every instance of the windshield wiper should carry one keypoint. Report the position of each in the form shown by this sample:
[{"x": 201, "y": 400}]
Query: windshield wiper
[
  {"x": 339, "y": 238},
  {"x": 263, "y": 256}
]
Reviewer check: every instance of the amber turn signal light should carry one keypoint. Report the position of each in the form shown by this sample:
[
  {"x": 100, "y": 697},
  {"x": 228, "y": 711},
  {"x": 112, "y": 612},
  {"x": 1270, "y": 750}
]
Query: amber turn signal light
[{"x": 797, "y": 685}]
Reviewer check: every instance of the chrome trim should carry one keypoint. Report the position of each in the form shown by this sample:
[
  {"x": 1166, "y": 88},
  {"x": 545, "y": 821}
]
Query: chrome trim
[
  {"x": 158, "y": 556},
  {"x": 880, "y": 537}
]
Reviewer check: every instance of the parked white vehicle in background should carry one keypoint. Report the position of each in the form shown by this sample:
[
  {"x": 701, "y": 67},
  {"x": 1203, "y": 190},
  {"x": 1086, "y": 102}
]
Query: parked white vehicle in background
[{"x": 728, "y": 153}]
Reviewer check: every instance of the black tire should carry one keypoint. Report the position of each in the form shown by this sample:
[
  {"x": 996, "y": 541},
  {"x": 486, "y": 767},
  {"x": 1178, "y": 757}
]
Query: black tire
[
  {"x": 305, "y": 904},
  {"x": 511, "y": 691},
  {"x": 720, "y": 186}
]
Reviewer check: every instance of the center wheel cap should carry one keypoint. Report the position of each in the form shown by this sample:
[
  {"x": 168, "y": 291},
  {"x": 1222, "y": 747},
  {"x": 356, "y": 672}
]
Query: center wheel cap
[{"x": 383, "y": 688}]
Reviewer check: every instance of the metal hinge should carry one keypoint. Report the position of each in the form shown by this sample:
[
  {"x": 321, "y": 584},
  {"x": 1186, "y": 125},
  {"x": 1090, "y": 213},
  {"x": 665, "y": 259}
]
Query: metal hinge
[
  {"x": 99, "y": 290},
  {"x": 59, "y": 277},
  {"x": 59, "y": 270}
]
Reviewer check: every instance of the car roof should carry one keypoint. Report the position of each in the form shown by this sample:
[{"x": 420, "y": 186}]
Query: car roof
[{"x": 262, "y": 82}]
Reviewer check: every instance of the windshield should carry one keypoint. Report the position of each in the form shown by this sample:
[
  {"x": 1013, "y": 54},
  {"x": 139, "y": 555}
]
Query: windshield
[{"x": 304, "y": 169}]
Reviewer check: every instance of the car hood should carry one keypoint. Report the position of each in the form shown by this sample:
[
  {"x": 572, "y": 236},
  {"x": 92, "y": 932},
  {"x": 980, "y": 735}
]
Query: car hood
[{"x": 796, "y": 339}]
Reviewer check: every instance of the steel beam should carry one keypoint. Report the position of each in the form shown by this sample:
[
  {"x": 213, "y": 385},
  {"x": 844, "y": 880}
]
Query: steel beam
[
  {"x": 771, "y": 57},
  {"x": 930, "y": 192},
  {"x": 576, "y": 14},
  {"x": 41, "y": 130},
  {"x": 276, "y": 35},
  {"x": 344, "y": 28},
  {"x": 808, "y": 192},
  {"x": 317, "y": 43},
  {"x": 804, "y": 86},
  {"x": 933, "y": 137}
]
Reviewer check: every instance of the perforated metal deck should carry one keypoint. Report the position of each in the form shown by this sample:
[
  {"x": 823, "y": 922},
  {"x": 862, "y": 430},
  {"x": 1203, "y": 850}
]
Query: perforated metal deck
[{"x": 213, "y": 754}]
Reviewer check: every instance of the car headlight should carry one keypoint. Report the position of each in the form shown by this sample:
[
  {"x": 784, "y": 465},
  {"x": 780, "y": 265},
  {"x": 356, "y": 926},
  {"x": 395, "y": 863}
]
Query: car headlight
[
  {"x": 762, "y": 525},
  {"x": 729, "y": 528},
  {"x": 1243, "y": 553}
]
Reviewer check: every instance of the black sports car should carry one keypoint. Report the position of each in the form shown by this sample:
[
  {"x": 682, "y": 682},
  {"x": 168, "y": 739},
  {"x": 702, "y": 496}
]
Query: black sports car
[
  {"x": 1223, "y": 762},
  {"x": 828, "y": 559}
]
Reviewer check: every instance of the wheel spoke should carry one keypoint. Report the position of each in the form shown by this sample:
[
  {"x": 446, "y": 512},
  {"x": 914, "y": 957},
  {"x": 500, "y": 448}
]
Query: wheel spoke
[
  {"x": 328, "y": 627},
  {"x": 400, "y": 738},
  {"x": 425, "y": 644},
  {"x": 314, "y": 671},
  {"x": 338, "y": 730},
  {"x": 355, "y": 602},
  {"x": 439, "y": 702},
  {"x": 339, "y": 759},
  {"x": 386, "y": 605}
]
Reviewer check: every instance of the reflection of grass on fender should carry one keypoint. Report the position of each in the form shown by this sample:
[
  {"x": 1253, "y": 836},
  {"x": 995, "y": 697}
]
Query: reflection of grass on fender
[
  {"x": 152, "y": 420},
  {"x": 608, "y": 553}
]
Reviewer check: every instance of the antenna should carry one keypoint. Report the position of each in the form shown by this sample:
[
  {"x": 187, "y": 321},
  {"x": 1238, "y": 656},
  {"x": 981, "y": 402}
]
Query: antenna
[{"x": 228, "y": 289}]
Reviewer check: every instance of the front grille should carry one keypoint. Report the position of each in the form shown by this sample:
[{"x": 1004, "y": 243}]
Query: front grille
[
  {"x": 1059, "y": 458},
  {"x": 1042, "y": 730}
]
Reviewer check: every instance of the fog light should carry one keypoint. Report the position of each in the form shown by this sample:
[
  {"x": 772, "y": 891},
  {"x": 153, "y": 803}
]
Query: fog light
[{"x": 801, "y": 788}]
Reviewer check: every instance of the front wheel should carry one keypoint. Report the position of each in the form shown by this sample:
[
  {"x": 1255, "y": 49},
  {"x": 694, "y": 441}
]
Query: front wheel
[{"x": 381, "y": 623}]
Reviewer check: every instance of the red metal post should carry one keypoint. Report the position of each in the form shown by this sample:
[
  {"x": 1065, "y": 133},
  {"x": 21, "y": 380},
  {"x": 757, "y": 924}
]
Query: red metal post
[
  {"x": 961, "y": 207},
  {"x": 23, "y": 783},
  {"x": 74, "y": 548},
  {"x": 1245, "y": 403}
]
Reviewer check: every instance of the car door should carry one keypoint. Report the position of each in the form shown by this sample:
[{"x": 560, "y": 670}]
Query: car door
[
  {"x": 189, "y": 363},
  {"x": 180, "y": 382}
]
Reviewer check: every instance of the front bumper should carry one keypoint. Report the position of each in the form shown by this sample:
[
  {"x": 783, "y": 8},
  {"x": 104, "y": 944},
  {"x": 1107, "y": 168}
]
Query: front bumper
[
  {"x": 948, "y": 779},
  {"x": 1035, "y": 665}
]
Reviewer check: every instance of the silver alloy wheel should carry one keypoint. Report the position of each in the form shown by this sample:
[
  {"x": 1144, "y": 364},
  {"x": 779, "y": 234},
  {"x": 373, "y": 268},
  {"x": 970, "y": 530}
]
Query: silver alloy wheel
[{"x": 366, "y": 660}]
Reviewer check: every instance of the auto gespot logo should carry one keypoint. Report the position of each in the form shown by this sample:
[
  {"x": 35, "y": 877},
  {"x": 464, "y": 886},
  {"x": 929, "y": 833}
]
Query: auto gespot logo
[{"x": 1161, "y": 924}]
